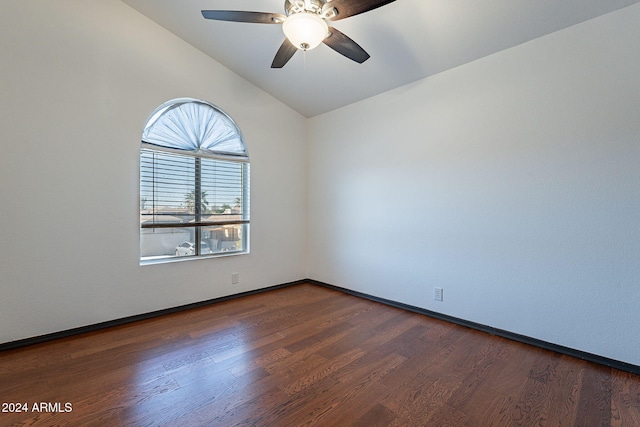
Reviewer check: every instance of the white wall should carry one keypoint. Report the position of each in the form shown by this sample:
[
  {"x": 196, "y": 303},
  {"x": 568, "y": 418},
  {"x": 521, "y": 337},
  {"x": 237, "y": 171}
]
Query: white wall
[
  {"x": 78, "y": 80},
  {"x": 512, "y": 182}
]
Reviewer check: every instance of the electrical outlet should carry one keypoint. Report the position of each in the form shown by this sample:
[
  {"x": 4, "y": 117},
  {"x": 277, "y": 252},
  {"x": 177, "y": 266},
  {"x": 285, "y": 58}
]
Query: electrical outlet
[
  {"x": 437, "y": 295},
  {"x": 235, "y": 278}
]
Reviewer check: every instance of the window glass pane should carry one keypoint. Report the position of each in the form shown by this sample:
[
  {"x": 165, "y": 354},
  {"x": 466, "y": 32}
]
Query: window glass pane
[
  {"x": 226, "y": 238},
  {"x": 166, "y": 243}
]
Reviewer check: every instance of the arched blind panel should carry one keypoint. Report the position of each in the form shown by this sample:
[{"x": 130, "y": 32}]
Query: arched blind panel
[{"x": 196, "y": 126}]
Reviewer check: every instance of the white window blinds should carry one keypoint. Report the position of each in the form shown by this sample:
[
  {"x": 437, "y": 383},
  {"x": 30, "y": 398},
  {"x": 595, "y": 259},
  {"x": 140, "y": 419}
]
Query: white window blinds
[{"x": 183, "y": 190}]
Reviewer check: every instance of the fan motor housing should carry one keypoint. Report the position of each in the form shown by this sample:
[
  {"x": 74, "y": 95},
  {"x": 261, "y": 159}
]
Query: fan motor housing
[{"x": 297, "y": 6}]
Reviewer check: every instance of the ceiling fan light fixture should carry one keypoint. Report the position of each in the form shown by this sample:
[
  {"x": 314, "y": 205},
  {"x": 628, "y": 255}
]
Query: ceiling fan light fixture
[{"x": 305, "y": 30}]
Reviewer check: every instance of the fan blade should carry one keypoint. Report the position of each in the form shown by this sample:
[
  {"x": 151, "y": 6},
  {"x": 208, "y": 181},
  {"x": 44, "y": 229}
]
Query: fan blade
[
  {"x": 284, "y": 54},
  {"x": 243, "y": 16},
  {"x": 347, "y": 8},
  {"x": 345, "y": 46}
]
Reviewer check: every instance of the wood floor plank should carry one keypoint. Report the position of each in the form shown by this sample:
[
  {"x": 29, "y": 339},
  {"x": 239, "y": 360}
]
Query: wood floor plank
[
  {"x": 625, "y": 399},
  {"x": 307, "y": 356},
  {"x": 378, "y": 416},
  {"x": 594, "y": 407}
]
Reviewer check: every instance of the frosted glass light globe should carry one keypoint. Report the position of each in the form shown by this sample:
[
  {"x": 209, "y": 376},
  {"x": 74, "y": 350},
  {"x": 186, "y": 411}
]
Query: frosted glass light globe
[{"x": 305, "y": 30}]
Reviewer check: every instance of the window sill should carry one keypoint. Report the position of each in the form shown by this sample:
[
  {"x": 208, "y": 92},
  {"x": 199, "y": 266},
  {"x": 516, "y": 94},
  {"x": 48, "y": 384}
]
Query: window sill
[{"x": 171, "y": 259}]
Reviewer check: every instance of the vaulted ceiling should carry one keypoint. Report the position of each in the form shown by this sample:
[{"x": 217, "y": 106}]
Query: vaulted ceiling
[{"x": 408, "y": 40}]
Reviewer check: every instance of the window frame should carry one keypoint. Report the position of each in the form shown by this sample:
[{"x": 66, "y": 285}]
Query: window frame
[{"x": 199, "y": 224}]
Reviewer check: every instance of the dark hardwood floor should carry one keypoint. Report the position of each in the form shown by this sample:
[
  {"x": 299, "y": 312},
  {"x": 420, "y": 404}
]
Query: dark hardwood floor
[{"x": 306, "y": 355}]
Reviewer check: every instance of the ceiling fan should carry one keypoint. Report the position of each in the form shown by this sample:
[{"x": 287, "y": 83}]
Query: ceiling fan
[{"x": 305, "y": 25}]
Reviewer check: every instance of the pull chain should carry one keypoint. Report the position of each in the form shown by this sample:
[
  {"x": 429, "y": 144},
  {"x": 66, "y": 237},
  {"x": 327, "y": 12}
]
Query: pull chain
[{"x": 304, "y": 47}]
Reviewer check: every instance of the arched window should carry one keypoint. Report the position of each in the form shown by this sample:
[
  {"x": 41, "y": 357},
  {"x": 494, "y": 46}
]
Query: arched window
[{"x": 194, "y": 183}]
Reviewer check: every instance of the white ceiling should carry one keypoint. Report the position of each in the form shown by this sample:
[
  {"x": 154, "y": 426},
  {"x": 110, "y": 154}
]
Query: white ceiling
[{"x": 407, "y": 40}]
